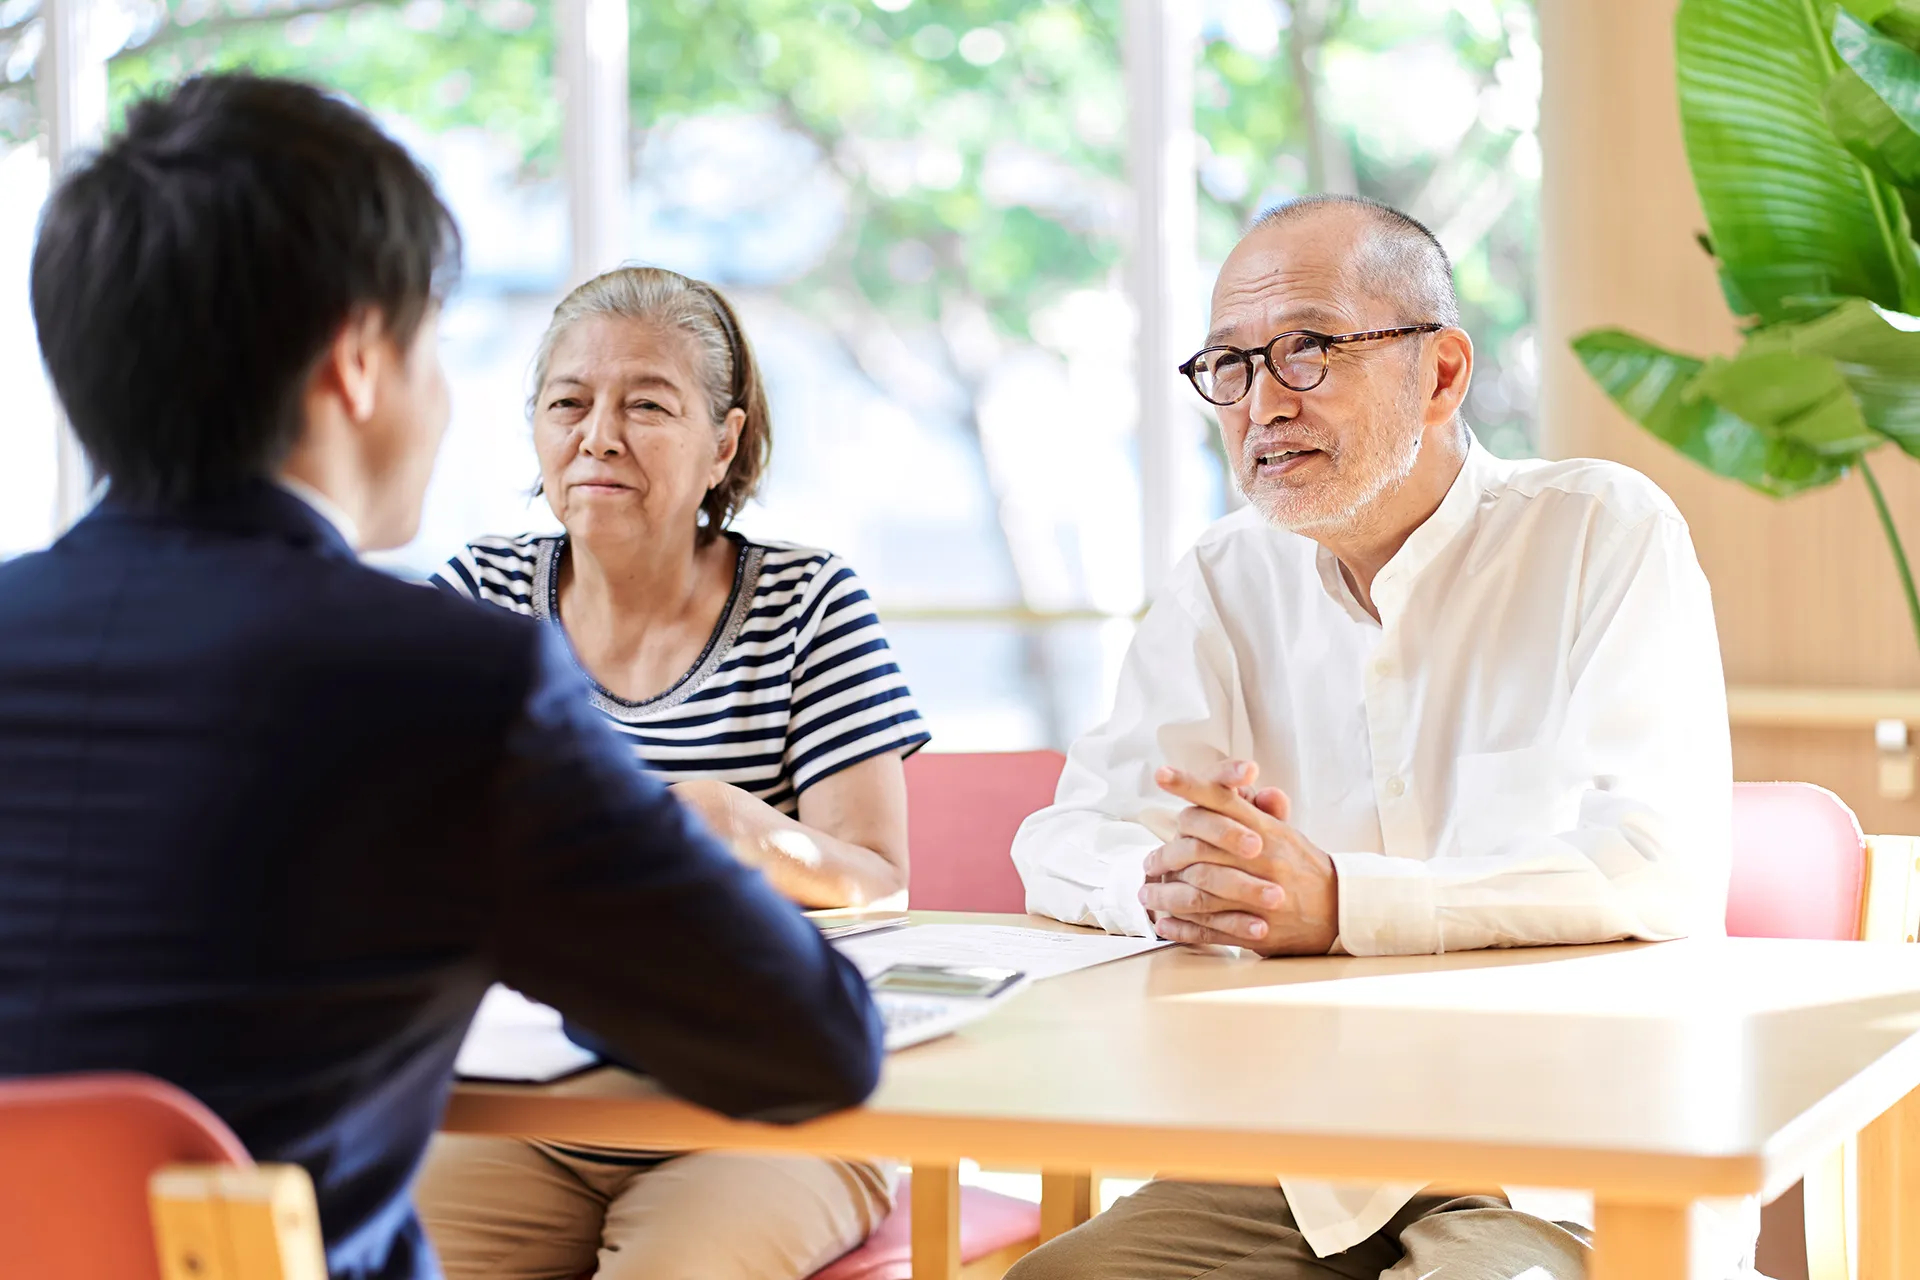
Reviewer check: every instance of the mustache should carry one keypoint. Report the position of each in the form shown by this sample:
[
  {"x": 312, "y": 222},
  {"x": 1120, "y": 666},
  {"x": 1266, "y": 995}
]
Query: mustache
[{"x": 1251, "y": 449}]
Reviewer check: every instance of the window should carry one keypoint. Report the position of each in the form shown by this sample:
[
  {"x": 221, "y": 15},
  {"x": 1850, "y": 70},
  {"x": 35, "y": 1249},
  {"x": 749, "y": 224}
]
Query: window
[
  {"x": 470, "y": 89},
  {"x": 920, "y": 209},
  {"x": 1429, "y": 105},
  {"x": 27, "y": 436},
  {"x": 924, "y": 210}
]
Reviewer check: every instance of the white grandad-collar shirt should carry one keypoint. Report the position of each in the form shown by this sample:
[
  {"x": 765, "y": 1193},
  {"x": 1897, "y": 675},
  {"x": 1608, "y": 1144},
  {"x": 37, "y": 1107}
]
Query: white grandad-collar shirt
[{"x": 1529, "y": 747}]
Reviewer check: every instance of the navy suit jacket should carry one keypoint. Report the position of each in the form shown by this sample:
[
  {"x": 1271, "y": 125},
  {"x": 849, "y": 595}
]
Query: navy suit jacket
[{"x": 271, "y": 821}]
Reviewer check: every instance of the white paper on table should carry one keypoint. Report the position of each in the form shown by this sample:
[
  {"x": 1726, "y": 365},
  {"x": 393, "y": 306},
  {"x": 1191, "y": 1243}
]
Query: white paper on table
[
  {"x": 1039, "y": 953},
  {"x": 516, "y": 1039}
]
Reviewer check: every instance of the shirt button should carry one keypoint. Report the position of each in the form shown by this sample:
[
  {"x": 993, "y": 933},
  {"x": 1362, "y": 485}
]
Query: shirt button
[
  {"x": 1396, "y": 786},
  {"x": 1383, "y": 668}
]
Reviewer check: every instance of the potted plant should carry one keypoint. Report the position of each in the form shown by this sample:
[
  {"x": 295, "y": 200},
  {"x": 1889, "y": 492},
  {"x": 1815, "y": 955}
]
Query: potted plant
[{"x": 1801, "y": 120}]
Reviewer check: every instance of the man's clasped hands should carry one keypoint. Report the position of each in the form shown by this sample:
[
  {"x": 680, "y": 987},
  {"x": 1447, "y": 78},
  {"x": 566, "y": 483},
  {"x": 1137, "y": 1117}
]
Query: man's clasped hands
[{"x": 1238, "y": 874}]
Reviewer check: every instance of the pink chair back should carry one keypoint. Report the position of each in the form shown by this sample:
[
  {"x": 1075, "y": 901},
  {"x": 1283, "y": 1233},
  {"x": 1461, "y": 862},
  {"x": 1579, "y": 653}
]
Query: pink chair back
[
  {"x": 1799, "y": 863},
  {"x": 75, "y": 1155},
  {"x": 962, "y": 811}
]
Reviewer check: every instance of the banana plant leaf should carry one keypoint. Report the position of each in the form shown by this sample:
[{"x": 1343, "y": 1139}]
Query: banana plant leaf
[
  {"x": 1870, "y": 10},
  {"x": 1788, "y": 393},
  {"x": 1877, "y": 354},
  {"x": 1654, "y": 387},
  {"x": 1791, "y": 212},
  {"x": 1873, "y": 103},
  {"x": 1898, "y": 18},
  {"x": 1872, "y": 130}
]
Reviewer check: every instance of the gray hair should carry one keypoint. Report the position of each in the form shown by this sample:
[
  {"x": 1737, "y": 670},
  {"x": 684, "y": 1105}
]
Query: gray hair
[
  {"x": 728, "y": 372},
  {"x": 1400, "y": 261}
]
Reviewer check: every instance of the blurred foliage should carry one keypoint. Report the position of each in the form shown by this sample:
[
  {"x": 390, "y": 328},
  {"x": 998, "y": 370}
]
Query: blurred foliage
[
  {"x": 1428, "y": 106},
  {"x": 980, "y": 143}
]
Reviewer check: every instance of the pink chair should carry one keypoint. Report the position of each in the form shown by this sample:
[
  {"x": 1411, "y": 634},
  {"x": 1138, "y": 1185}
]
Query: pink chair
[
  {"x": 1799, "y": 863},
  {"x": 1802, "y": 869},
  {"x": 105, "y": 1175},
  {"x": 995, "y": 1231},
  {"x": 962, "y": 811}
]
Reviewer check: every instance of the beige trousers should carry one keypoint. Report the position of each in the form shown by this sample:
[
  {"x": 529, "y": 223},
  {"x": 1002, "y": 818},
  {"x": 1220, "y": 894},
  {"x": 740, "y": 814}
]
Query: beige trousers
[
  {"x": 504, "y": 1209},
  {"x": 1184, "y": 1230}
]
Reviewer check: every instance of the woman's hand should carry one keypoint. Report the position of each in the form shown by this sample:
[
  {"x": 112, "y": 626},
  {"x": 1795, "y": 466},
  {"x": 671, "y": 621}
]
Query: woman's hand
[{"x": 850, "y": 849}]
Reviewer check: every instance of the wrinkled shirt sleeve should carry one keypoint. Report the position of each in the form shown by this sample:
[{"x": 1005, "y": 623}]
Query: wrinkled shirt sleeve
[
  {"x": 1646, "y": 736},
  {"x": 1178, "y": 704}
]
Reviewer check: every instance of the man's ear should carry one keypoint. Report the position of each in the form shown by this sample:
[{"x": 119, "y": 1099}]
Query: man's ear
[
  {"x": 1452, "y": 372},
  {"x": 351, "y": 366}
]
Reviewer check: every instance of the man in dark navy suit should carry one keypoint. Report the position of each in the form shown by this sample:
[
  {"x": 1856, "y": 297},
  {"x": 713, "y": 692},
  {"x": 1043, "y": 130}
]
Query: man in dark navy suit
[{"x": 270, "y": 821}]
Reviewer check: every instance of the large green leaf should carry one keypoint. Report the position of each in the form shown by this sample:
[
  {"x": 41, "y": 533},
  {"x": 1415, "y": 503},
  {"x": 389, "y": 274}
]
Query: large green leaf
[
  {"x": 1791, "y": 212},
  {"x": 1873, "y": 103},
  {"x": 1654, "y": 387},
  {"x": 1870, "y": 129},
  {"x": 1899, "y": 19},
  {"x": 1888, "y": 67},
  {"x": 1876, "y": 352},
  {"x": 1788, "y": 393}
]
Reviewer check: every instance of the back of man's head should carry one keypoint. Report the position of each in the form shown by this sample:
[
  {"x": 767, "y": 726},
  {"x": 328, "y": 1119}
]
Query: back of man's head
[
  {"x": 187, "y": 279},
  {"x": 1399, "y": 260}
]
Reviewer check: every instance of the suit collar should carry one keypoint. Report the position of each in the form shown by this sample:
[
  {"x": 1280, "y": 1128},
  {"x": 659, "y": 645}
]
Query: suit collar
[{"x": 260, "y": 509}]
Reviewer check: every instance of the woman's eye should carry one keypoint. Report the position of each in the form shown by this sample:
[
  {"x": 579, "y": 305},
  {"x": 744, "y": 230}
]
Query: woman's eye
[
  {"x": 647, "y": 406},
  {"x": 565, "y": 402}
]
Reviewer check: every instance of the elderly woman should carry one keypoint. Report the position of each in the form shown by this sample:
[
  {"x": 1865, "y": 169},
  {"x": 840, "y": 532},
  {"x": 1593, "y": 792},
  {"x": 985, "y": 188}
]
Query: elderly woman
[{"x": 753, "y": 676}]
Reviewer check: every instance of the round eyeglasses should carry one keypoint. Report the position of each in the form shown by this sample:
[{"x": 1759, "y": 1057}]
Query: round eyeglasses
[{"x": 1297, "y": 359}]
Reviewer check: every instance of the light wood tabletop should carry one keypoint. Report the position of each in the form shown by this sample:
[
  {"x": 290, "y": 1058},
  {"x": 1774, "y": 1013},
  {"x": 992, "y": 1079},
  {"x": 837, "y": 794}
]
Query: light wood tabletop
[{"x": 1652, "y": 1075}]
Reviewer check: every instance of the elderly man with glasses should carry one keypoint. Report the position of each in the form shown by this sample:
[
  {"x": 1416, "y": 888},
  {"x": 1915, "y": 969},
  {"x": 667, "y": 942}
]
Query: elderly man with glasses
[{"x": 1412, "y": 699}]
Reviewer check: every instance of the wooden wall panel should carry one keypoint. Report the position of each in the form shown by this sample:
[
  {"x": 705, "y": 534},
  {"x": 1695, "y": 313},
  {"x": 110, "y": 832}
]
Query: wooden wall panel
[{"x": 1804, "y": 590}]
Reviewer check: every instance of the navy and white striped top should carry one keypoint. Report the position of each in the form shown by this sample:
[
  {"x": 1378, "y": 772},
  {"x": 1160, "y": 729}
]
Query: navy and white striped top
[{"x": 795, "y": 684}]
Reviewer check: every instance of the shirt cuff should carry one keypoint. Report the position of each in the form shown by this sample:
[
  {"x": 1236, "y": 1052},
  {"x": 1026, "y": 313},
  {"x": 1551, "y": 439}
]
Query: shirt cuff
[
  {"x": 1119, "y": 910},
  {"x": 1387, "y": 906}
]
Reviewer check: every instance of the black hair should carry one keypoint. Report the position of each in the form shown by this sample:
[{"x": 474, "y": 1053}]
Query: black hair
[{"x": 188, "y": 277}]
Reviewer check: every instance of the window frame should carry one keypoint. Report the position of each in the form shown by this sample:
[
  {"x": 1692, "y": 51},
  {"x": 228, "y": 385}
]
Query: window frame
[{"x": 1160, "y": 44}]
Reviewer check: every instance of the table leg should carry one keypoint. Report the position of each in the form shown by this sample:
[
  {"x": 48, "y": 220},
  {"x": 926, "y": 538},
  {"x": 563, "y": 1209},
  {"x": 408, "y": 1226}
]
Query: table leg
[
  {"x": 936, "y": 1222},
  {"x": 1889, "y": 1182},
  {"x": 1641, "y": 1242},
  {"x": 1066, "y": 1201}
]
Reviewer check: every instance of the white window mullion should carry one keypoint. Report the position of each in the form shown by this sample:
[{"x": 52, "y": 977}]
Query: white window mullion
[
  {"x": 593, "y": 75},
  {"x": 1161, "y": 45},
  {"x": 72, "y": 83}
]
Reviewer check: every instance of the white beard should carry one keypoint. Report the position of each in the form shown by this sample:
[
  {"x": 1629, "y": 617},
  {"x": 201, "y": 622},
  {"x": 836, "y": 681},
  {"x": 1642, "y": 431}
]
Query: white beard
[{"x": 1386, "y": 479}]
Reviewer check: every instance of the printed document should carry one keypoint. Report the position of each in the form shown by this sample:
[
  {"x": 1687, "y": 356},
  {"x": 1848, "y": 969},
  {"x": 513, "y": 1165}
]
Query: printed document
[{"x": 1039, "y": 953}]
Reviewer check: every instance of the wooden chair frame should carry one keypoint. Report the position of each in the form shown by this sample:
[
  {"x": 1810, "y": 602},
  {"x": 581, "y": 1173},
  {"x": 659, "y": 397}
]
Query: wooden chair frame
[
  {"x": 1889, "y": 912},
  {"x": 225, "y": 1222}
]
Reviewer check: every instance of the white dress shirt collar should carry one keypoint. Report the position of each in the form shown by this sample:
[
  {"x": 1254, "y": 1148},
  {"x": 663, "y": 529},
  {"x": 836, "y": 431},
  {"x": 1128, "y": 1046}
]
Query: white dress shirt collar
[
  {"x": 1529, "y": 747},
  {"x": 326, "y": 508},
  {"x": 1397, "y": 576}
]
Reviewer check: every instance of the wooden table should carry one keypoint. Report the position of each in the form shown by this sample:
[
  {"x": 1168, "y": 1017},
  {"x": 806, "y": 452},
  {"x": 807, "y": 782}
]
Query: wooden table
[{"x": 1652, "y": 1075}]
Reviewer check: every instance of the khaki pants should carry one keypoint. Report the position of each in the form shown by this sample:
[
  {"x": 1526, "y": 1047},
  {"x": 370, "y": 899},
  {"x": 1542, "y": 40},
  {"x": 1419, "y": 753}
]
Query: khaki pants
[
  {"x": 504, "y": 1209},
  {"x": 1184, "y": 1230}
]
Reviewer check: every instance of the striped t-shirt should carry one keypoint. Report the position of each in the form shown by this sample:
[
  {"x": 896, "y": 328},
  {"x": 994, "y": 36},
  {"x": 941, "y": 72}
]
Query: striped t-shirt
[{"x": 796, "y": 682}]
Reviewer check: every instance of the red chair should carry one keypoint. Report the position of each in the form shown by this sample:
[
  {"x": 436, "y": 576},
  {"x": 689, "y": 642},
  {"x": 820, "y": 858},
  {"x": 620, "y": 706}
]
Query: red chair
[
  {"x": 1802, "y": 869},
  {"x": 104, "y": 1175},
  {"x": 962, "y": 811}
]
